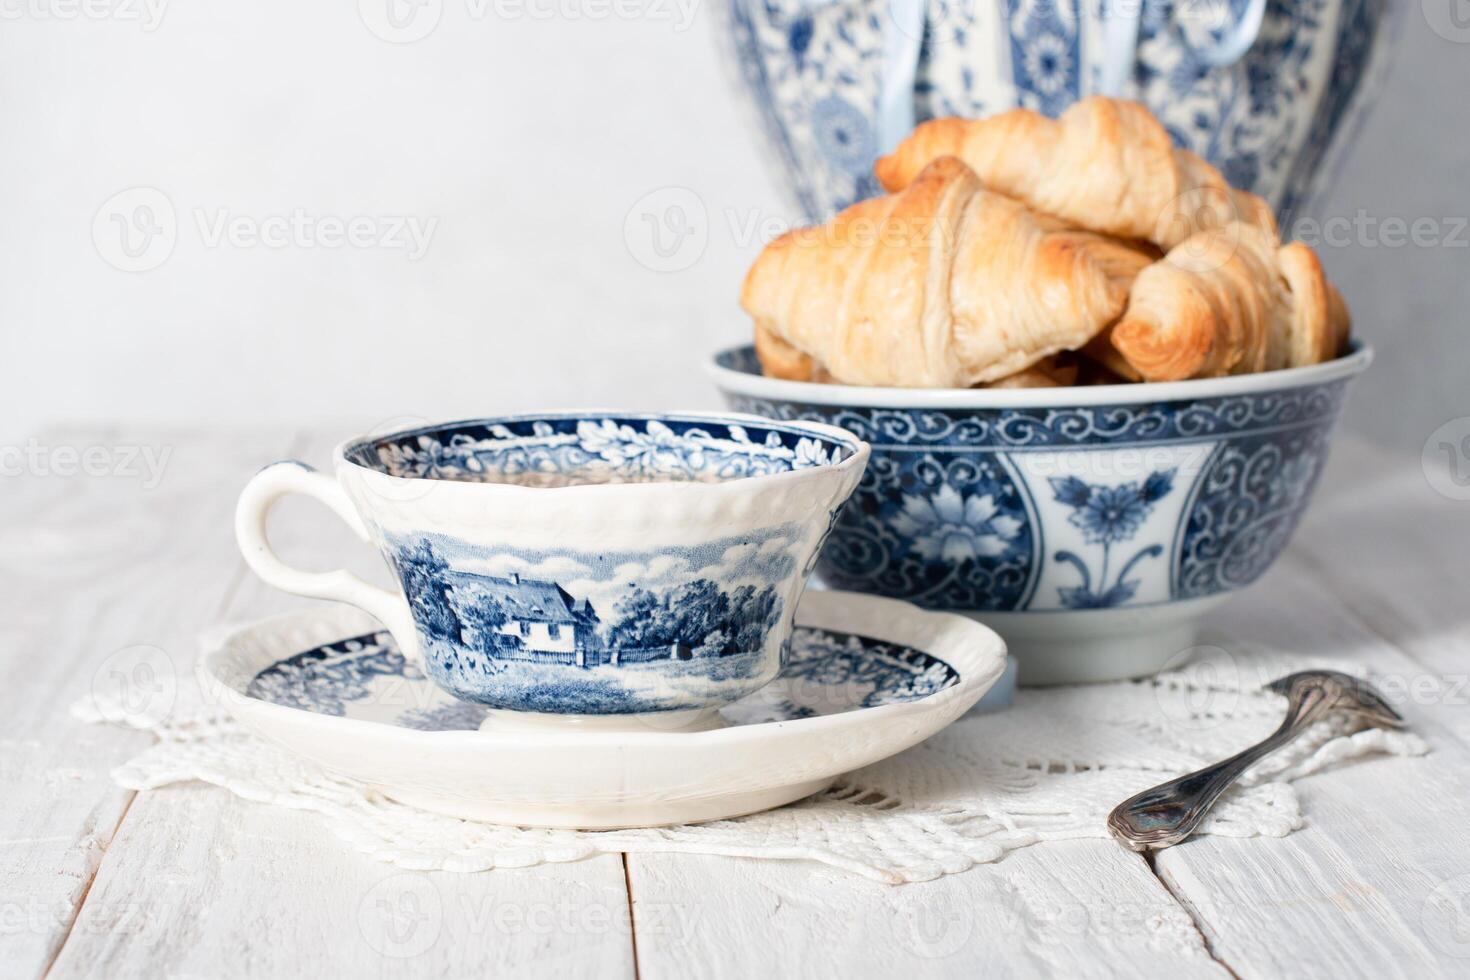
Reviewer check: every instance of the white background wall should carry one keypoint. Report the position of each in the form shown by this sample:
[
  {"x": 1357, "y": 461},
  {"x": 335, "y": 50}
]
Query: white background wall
[{"x": 527, "y": 142}]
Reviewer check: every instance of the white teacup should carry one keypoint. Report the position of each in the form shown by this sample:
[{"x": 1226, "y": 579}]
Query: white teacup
[{"x": 625, "y": 569}]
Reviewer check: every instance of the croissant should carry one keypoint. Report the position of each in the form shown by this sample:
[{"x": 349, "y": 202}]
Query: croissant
[
  {"x": 780, "y": 360},
  {"x": 1230, "y": 301},
  {"x": 942, "y": 285},
  {"x": 1104, "y": 164}
]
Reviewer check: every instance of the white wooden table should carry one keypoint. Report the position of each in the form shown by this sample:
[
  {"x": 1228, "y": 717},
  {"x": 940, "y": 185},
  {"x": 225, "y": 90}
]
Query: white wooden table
[{"x": 190, "y": 881}]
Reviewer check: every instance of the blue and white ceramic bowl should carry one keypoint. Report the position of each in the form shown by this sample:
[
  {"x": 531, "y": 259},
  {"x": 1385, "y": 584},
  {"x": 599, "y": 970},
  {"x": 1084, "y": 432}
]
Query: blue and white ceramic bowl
[
  {"x": 1090, "y": 526},
  {"x": 624, "y": 568}
]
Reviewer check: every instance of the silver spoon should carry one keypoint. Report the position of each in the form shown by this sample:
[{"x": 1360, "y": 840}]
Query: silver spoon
[{"x": 1167, "y": 814}]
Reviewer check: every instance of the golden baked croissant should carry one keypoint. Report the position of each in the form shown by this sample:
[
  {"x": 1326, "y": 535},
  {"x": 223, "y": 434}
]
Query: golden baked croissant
[
  {"x": 1104, "y": 164},
  {"x": 1230, "y": 301},
  {"x": 942, "y": 285}
]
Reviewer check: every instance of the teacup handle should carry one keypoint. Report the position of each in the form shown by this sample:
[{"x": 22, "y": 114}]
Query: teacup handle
[{"x": 254, "y": 506}]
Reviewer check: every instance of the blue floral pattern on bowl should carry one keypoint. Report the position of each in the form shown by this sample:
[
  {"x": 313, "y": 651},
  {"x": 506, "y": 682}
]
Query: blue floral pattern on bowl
[
  {"x": 820, "y": 72},
  {"x": 1068, "y": 508},
  {"x": 828, "y": 672},
  {"x": 1108, "y": 515}
]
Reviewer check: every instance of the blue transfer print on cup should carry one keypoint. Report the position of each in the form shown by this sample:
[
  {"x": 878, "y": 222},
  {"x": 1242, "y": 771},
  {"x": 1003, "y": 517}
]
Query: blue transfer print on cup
[{"x": 569, "y": 631}]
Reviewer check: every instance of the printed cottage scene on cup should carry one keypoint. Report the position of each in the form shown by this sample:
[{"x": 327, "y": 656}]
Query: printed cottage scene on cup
[{"x": 566, "y": 630}]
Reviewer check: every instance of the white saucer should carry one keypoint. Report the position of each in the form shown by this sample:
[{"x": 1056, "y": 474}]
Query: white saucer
[{"x": 867, "y": 678}]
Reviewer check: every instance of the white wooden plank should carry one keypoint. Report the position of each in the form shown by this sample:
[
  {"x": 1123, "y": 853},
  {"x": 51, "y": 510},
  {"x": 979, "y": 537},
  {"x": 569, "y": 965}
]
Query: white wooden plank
[
  {"x": 1069, "y": 909},
  {"x": 254, "y": 890},
  {"x": 1398, "y": 553},
  {"x": 200, "y": 883},
  {"x": 90, "y": 565},
  {"x": 1348, "y": 893},
  {"x": 1367, "y": 889}
]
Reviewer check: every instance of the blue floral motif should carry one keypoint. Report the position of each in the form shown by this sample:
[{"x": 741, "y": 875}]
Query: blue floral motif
[
  {"x": 799, "y": 37},
  {"x": 326, "y": 678},
  {"x": 941, "y": 531},
  {"x": 598, "y": 449},
  {"x": 827, "y": 672},
  {"x": 1044, "y": 53},
  {"x": 949, "y": 527},
  {"x": 815, "y": 72},
  {"x": 844, "y": 134},
  {"x": 1108, "y": 515},
  {"x": 921, "y": 527},
  {"x": 887, "y": 673}
]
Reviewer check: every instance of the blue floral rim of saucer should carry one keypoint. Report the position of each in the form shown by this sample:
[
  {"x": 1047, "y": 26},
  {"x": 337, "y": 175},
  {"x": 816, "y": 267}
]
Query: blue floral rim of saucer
[
  {"x": 827, "y": 673},
  {"x": 596, "y": 447}
]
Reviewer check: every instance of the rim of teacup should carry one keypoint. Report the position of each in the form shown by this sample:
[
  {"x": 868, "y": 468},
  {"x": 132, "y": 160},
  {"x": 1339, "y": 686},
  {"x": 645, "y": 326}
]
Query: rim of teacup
[
  {"x": 824, "y": 393},
  {"x": 856, "y": 459}
]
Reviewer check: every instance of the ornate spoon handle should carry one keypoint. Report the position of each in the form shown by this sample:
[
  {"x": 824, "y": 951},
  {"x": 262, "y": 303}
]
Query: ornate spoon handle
[{"x": 1168, "y": 813}]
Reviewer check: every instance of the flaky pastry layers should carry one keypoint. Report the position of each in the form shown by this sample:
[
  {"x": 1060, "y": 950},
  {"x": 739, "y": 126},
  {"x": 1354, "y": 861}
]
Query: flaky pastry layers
[
  {"x": 1105, "y": 164},
  {"x": 1230, "y": 301},
  {"x": 944, "y": 284}
]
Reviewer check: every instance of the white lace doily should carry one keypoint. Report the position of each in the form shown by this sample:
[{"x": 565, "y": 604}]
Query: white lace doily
[{"x": 1049, "y": 768}]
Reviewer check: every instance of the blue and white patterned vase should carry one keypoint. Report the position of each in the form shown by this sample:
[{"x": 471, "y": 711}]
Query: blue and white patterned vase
[
  {"x": 1090, "y": 526},
  {"x": 1263, "y": 91}
]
